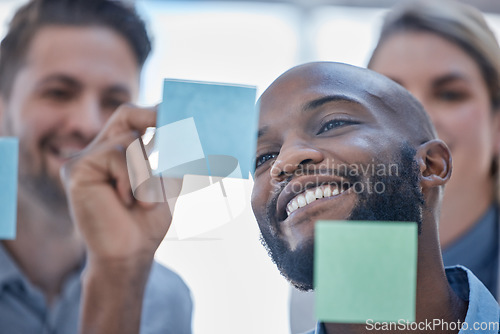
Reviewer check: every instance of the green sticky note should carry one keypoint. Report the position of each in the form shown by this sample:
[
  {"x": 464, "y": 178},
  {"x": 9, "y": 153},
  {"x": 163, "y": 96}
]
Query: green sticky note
[
  {"x": 365, "y": 271},
  {"x": 9, "y": 148}
]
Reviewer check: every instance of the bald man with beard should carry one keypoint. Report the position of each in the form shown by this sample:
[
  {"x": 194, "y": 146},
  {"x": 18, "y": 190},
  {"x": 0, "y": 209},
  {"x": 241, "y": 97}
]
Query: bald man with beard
[{"x": 311, "y": 117}]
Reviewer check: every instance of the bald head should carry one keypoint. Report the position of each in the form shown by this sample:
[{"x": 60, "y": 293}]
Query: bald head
[{"x": 359, "y": 85}]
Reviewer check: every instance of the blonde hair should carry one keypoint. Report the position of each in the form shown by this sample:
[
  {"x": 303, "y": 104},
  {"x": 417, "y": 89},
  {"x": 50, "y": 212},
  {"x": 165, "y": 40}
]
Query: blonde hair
[{"x": 459, "y": 23}]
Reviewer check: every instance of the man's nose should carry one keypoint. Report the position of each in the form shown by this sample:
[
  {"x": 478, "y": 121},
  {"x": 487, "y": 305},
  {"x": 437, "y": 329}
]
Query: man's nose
[
  {"x": 86, "y": 118},
  {"x": 293, "y": 157}
]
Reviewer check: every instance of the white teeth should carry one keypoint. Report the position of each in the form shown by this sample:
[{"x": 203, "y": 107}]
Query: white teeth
[
  {"x": 311, "y": 195},
  {"x": 327, "y": 191},
  {"x": 301, "y": 200}
]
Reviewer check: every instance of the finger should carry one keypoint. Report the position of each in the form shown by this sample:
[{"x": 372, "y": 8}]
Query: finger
[
  {"x": 146, "y": 186},
  {"x": 125, "y": 119},
  {"x": 150, "y": 146},
  {"x": 104, "y": 164}
]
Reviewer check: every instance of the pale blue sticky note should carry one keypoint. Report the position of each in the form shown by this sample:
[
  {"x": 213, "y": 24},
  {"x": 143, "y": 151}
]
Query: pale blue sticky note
[
  {"x": 9, "y": 148},
  {"x": 180, "y": 150},
  {"x": 225, "y": 119}
]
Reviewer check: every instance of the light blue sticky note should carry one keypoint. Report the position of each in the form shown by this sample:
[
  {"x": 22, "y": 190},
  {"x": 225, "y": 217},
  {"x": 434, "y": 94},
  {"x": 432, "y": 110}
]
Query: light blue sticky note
[
  {"x": 225, "y": 119},
  {"x": 180, "y": 150},
  {"x": 365, "y": 271},
  {"x": 9, "y": 151}
]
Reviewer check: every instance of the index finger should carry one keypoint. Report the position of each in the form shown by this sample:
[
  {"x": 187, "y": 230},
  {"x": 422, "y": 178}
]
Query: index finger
[{"x": 127, "y": 118}]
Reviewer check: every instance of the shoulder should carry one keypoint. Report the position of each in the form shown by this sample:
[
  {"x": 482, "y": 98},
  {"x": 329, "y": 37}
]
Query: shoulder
[
  {"x": 165, "y": 282},
  {"x": 167, "y": 304}
]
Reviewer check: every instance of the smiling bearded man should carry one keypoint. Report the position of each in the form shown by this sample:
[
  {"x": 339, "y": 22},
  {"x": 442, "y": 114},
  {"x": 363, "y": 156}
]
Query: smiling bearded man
[
  {"x": 340, "y": 115},
  {"x": 314, "y": 119}
]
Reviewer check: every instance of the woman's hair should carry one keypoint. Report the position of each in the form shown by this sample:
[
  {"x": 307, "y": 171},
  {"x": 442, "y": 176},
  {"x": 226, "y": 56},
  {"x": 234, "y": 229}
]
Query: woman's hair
[{"x": 456, "y": 22}]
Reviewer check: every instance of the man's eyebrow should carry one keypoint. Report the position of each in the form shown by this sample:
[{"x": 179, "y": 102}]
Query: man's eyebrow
[
  {"x": 262, "y": 131},
  {"x": 311, "y": 105},
  {"x": 59, "y": 78},
  {"x": 71, "y": 82},
  {"x": 316, "y": 104},
  {"x": 447, "y": 78},
  {"x": 119, "y": 89}
]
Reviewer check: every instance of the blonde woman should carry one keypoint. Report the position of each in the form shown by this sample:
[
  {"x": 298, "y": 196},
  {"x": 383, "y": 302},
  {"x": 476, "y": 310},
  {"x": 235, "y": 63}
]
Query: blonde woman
[{"x": 445, "y": 54}]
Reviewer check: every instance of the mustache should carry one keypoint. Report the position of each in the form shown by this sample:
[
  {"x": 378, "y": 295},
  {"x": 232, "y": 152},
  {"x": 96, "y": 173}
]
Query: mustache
[{"x": 271, "y": 207}]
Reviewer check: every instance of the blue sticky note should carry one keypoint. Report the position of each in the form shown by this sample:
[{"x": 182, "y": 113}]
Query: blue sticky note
[
  {"x": 9, "y": 151},
  {"x": 180, "y": 150},
  {"x": 365, "y": 271},
  {"x": 209, "y": 122}
]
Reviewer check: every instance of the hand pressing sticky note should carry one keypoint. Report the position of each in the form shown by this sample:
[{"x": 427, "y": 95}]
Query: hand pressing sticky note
[
  {"x": 365, "y": 270},
  {"x": 9, "y": 148}
]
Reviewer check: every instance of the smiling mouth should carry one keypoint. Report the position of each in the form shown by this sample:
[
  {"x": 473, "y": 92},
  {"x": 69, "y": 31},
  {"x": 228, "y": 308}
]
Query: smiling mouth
[{"x": 310, "y": 195}]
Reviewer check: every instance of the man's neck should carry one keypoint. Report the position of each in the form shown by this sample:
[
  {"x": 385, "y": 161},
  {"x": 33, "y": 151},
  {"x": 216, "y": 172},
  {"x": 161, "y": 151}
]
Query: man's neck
[
  {"x": 455, "y": 223},
  {"x": 45, "y": 251}
]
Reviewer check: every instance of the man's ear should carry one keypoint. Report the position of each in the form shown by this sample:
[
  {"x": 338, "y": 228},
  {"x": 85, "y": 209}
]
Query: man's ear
[{"x": 434, "y": 160}]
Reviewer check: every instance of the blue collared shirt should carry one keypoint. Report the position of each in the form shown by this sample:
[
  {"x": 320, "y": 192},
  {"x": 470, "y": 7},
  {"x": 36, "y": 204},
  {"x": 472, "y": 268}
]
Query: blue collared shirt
[
  {"x": 478, "y": 250},
  {"x": 167, "y": 305},
  {"x": 483, "y": 308}
]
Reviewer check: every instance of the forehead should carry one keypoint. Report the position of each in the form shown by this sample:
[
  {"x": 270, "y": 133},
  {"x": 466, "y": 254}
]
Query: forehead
[
  {"x": 299, "y": 89},
  {"x": 355, "y": 91},
  {"x": 420, "y": 54},
  {"x": 90, "y": 53}
]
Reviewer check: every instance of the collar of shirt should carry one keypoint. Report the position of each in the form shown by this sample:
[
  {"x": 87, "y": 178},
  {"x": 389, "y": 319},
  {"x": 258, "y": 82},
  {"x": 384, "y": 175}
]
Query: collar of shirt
[
  {"x": 478, "y": 250},
  {"x": 483, "y": 310},
  {"x": 11, "y": 273},
  {"x": 8, "y": 269}
]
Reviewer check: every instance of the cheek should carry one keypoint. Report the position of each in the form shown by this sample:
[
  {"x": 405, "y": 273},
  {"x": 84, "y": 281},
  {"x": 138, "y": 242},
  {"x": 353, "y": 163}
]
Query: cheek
[
  {"x": 259, "y": 199},
  {"x": 33, "y": 124},
  {"x": 468, "y": 132},
  {"x": 470, "y": 125},
  {"x": 106, "y": 116},
  {"x": 360, "y": 148}
]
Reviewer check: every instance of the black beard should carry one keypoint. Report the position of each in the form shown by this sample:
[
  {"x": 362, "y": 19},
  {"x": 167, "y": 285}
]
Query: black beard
[
  {"x": 48, "y": 191},
  {"x": 41, "y": 187},
  {"x": 402, "y": 200}
]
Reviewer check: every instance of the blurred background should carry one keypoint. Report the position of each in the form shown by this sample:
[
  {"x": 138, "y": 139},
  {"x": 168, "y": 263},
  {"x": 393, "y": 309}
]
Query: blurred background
[{"x": 232, "y": 279}]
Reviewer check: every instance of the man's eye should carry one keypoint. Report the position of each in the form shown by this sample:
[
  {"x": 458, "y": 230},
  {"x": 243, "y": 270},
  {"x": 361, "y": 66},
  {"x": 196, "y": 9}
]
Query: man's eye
[
  {"x": 451, "y": 96},
  {"x": 262, "y": 159},
  {"x": 58, "y": 94},
  {"x": 335, "y": 123},
  {"x": 112, "y": 104}
]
